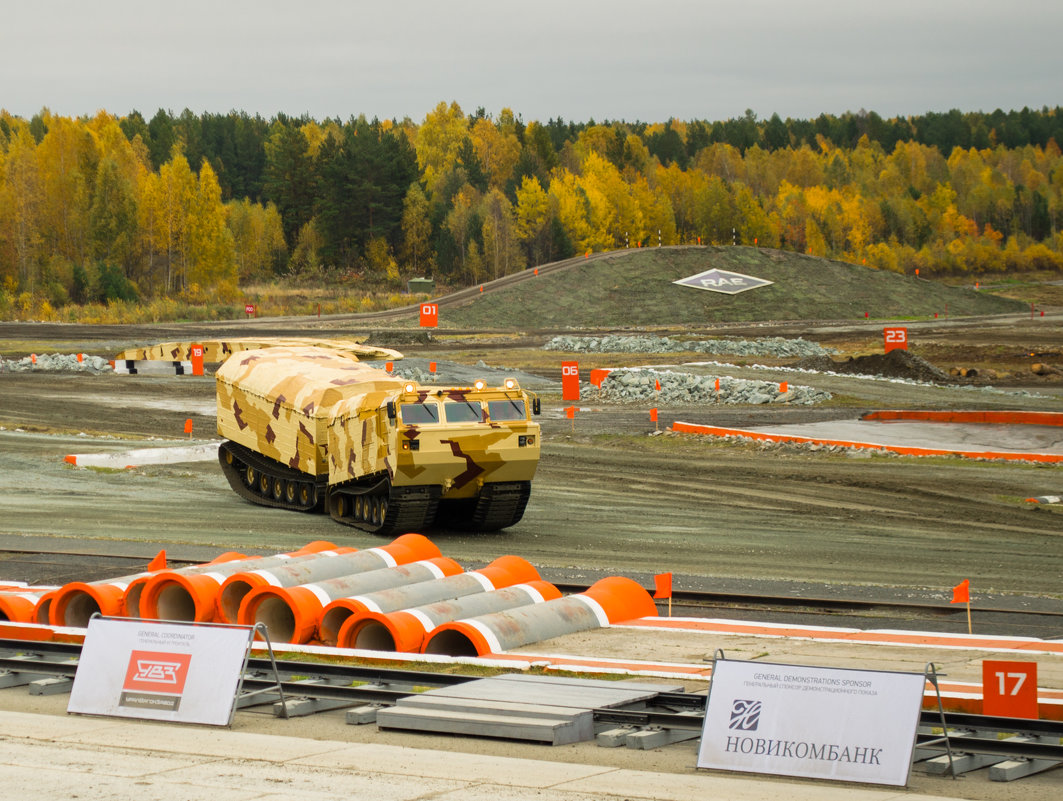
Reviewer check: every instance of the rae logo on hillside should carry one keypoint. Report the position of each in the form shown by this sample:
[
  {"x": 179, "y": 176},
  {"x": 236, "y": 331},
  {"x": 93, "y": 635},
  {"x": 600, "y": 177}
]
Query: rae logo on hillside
[{"x": 723, "y": 281}]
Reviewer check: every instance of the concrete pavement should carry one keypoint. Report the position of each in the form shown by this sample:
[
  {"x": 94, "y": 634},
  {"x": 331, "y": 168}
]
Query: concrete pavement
[{"x": 57, "y": 758}]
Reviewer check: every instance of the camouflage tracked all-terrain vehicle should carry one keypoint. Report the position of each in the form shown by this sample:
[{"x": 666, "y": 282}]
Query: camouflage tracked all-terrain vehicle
[{"x": 311, "y": 428}]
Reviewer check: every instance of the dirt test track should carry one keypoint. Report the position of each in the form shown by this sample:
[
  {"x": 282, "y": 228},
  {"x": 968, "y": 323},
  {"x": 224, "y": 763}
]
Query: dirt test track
[{"x": 609, "y": 497}]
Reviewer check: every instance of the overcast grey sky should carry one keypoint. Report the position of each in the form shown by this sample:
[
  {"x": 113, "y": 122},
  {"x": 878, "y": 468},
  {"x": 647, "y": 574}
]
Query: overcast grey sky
[{"x": 646, "y": 60}]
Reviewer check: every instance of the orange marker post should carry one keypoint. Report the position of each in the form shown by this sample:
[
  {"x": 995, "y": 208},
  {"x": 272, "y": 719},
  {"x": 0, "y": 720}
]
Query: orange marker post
[
  {"x": 432, "y": 368},
  {"x": 188, "y": 427},
  {"x": 195, "y": 355},
  {"x": 570, "y": 413},
  {"x": 653, "y": 417},
  {"x": 570, "y": 388}
]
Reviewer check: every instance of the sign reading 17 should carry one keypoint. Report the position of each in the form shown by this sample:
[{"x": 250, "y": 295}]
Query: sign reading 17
[
  {"x": 1009, "y": 689},
  {"x": 1019, "y": 680}
]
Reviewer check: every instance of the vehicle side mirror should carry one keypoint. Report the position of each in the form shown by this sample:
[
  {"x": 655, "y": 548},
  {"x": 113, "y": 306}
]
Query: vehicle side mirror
[
  {"x": 392, "y": 414},
  {"x": 536, "y": 409}
]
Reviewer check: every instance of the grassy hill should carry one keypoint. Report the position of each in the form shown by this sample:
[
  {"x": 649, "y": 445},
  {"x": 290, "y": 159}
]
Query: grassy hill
[{"x": 635, "y": 288}]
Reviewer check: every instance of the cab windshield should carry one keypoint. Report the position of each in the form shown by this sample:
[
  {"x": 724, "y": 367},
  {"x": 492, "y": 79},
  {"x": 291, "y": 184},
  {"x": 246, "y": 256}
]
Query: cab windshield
[
  {"x": 463, "y": 411},
  {"x": 420, "y": 413},
  {"x": 506, "y": 410}
]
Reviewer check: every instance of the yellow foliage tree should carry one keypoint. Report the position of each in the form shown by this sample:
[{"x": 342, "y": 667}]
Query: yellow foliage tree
[{"x": 438, "y": 141}]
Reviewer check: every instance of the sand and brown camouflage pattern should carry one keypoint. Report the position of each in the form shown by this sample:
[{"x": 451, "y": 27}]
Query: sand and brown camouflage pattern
[
  {"x": 218, "y": 350},
  {"x": 277, "y": 401},
  {"x": 321, "y": 411},
  {"x": 458, "y": 457}
]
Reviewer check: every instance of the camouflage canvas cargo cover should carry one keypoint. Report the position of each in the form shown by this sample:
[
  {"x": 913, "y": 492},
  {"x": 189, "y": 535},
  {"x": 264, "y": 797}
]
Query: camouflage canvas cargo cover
[{"x": 310, "y": 427}]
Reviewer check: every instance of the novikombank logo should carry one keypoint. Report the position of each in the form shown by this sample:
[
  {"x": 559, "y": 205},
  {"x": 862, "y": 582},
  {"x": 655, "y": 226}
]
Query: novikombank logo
[{"x": 745, "y": 715}]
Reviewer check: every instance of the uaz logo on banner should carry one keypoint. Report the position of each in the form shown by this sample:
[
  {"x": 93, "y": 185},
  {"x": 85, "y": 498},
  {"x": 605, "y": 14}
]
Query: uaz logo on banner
[
  {"x": 429, "y": 315},
  {"x": 157, "y": 672}
]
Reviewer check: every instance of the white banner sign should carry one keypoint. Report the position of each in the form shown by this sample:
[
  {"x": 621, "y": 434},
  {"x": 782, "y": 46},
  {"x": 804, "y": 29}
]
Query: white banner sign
[
  {"x": 160, "y": 671},
  {"x": 823, "y": 723}
]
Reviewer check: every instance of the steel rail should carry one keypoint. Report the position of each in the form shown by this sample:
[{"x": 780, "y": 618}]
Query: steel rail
[{"x": 60, "y": 659}]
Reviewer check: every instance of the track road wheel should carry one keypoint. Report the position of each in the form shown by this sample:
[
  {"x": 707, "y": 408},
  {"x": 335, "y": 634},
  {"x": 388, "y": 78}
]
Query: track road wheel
[
  {"x": 278, "y": 489},
  {"x": 264, "y": 484},
  {"x": 307, "y": 494},
  {"x": 250, "y": 476},
  {"x": 291, "y": 491}
]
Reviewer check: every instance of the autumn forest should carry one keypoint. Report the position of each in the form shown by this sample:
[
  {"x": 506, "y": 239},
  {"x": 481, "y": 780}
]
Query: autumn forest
[{"x": 120, "y": 212}]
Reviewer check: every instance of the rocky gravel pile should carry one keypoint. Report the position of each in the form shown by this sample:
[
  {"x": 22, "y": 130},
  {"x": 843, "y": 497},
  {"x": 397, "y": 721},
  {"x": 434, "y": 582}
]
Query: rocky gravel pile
[
  {"x": 56, "y": 362},
  {"x": 772, "y": 347},
  {"x": 640, "y": 386}
]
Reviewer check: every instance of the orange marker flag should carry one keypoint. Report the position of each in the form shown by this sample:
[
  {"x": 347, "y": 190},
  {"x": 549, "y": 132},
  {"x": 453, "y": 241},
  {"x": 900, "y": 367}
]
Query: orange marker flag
[
  {"x": 188, "y": 427},
  {"x": 570, "y": 412},
  {"x": 663, "y": 588},
  {"x": 653, "y": 414},
  {"x": 158, "y": 563},
  {"x": 657, "y": 384},
  {"x": 961, "y": 593},
  {"x": 663, "y": 585}
]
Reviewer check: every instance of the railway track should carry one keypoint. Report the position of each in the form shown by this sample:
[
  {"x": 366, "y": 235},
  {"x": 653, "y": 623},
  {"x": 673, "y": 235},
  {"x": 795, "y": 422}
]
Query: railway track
[{"x": 974, "y": 741}]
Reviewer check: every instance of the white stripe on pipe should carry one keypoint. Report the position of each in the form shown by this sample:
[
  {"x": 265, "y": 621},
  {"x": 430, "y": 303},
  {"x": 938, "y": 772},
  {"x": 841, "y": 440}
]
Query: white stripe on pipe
[
  {"x": 426, "y": 622},
  {"x": 121, "y": 586},
  {"x": 389, "y": 560},
  {"x": 283, "y": 556},
  {"x": 368, "y": 603},
  {"x": 595, "y": 607},
  {"x": 492, "y": 640},
  {"x": 432, "y": 568},
  {"x": 319, "y": 592},
  {"x": 32, "y": 597},
  {"x": 272, "y": 580},
  {"x": 218, "y": 577},
  {"x": 534, "y": 594},
  {"x": 485, "y": 582},
  {"x": 327, "y": 553}
]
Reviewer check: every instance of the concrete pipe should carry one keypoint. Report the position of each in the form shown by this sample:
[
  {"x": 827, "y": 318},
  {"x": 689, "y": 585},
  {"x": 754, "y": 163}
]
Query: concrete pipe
[
  {"x": 76, "y": 602},
  {"x": 402, "y": 550},
  {"x": 191, "y": 594},
  {"x": 406, "y": 629},
  {"x": 135, "y": 589},
  {"x": 291, "y": 614},
  {"x": 503, "y": 572},
  {"x": 19, "y": 605},
  {"x": 610, "y": 600}
]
